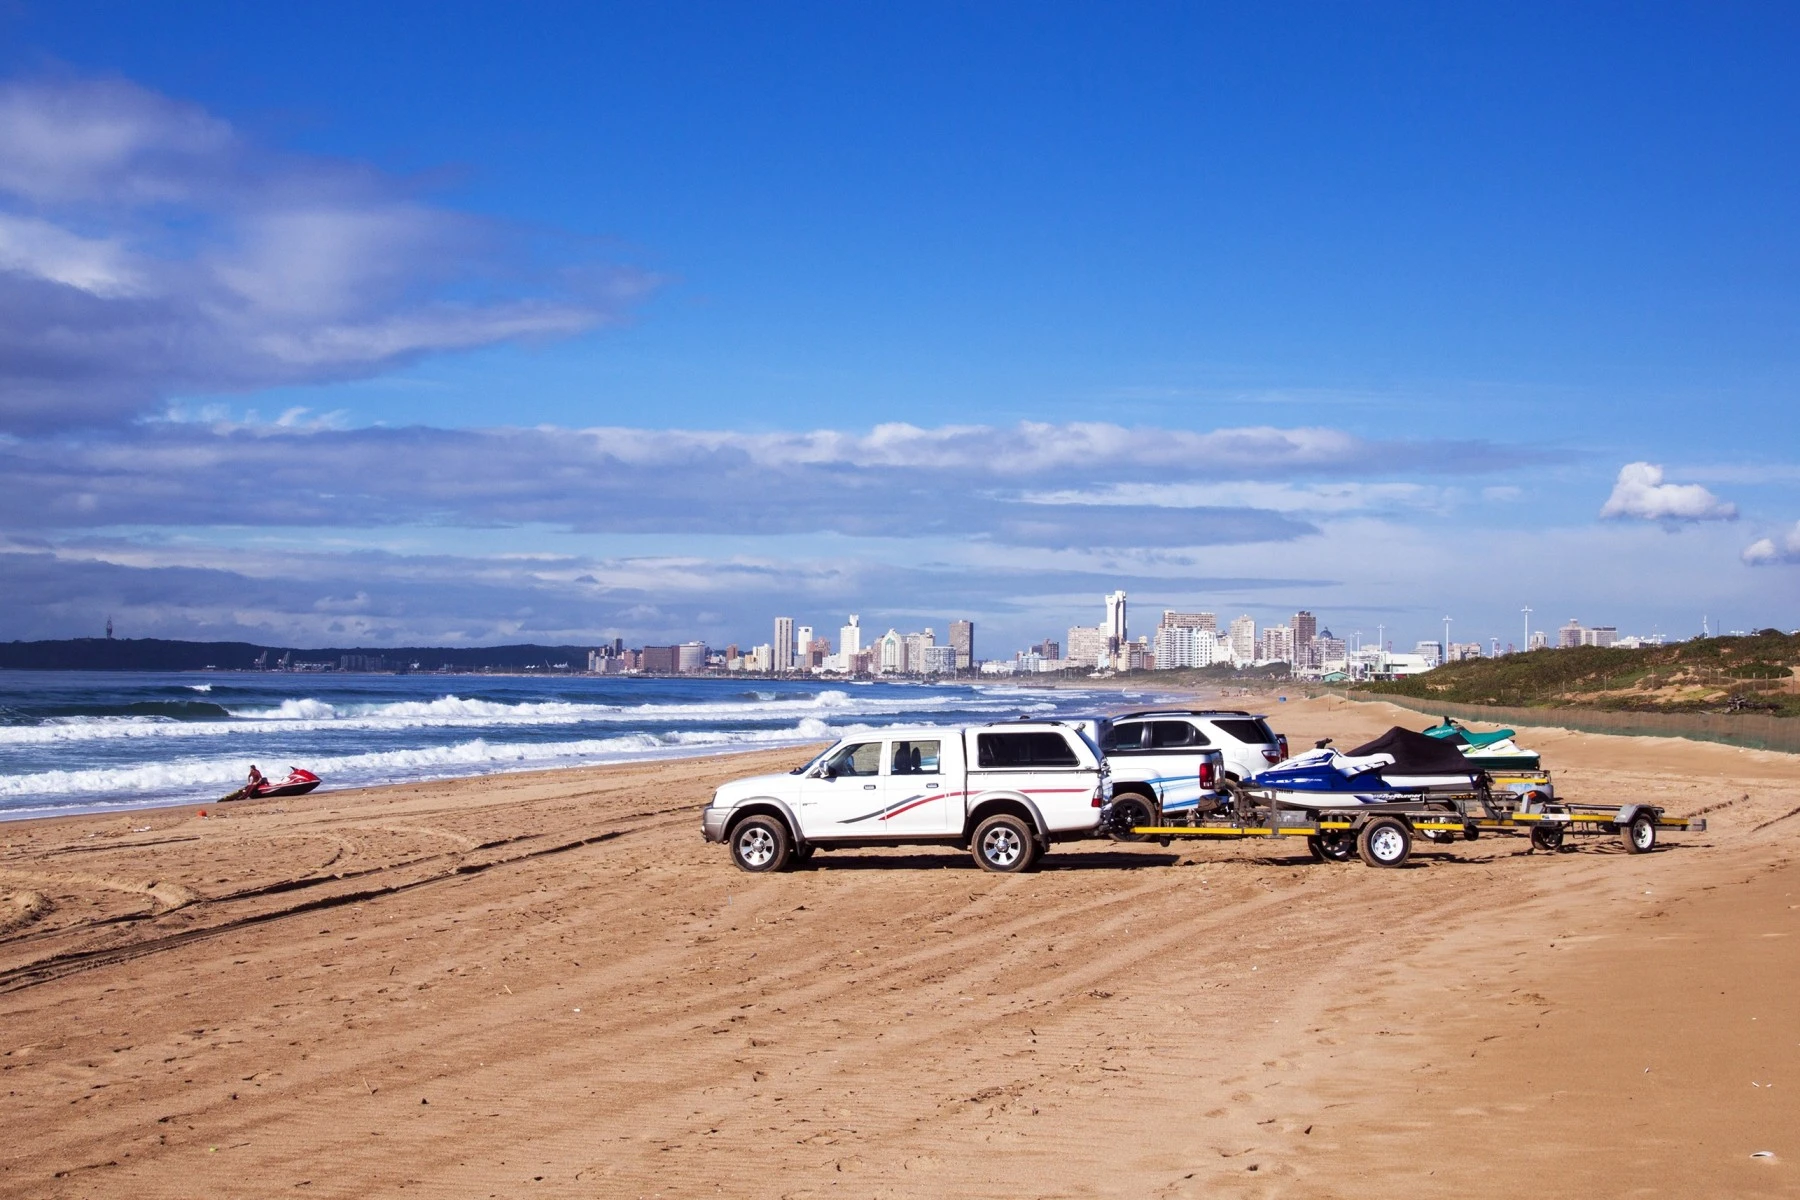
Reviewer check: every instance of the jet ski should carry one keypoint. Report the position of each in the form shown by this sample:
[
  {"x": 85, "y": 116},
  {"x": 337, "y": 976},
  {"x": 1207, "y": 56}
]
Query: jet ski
[
  {"x": 297, "y": 783},
  {"x": 1493, "y": 751},
  {"x": 1398, "y": 765}
]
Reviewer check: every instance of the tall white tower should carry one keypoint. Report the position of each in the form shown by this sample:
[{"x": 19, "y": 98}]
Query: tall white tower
[
  {"x": 850, "y": 638},
  {"x": 784, "y": 643},
  {"x": 1115, "y": 620}
]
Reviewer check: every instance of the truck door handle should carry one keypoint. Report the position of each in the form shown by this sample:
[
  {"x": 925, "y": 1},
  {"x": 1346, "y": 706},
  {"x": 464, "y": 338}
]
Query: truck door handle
[
  {"x": 931, "y": 785},
  {"x": 868, "y": 787}
]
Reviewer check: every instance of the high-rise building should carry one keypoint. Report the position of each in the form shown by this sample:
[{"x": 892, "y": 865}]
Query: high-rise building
[
  {"x": 1569, "y": 635},
  {"x": 893, "y": 653},
  {"x": 1243, "y": 639},
  {"x": 1186, "y": 646},
  {"x": 1087, "y": 645},
  {"x": 1305, "y": 627},
  {"x": 690, "y": 657},
  {"x": 916, "y": 644},
  {"x": 850, "y": 638},
  {"x": 1277, "y": 644},
  {"x": 1048, "y": 648},
  {"x": 962, "y": 640},
  {"x": 661, "y": 660},
  {"x": 1196, "y": 620},
  {"x": 1431, "y": 652},
  {"x": 803, "y": 636},
  {"x": 784, "y": 643},
  {"x": 1114, "y": 630},
  {"x": 939, "y": 660}
]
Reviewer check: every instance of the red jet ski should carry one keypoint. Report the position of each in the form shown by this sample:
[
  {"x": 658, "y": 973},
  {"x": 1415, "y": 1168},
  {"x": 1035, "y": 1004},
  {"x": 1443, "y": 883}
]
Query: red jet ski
[{"x": 297, "y": 783}]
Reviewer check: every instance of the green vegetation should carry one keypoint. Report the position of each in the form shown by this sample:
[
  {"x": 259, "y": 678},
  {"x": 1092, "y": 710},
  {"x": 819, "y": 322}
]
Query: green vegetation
[{"x": 1722, "y": 674}]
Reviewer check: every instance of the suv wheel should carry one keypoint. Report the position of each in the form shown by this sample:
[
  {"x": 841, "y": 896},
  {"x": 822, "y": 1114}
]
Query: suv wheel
[
  {"x": 1128, "y": 812},
  {"x": 760, "y": 844},
  {"x": 1004, "y": 843}
]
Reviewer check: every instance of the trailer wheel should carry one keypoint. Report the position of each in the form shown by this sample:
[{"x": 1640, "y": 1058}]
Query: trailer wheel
[
  {"x": 1004, "y": 843},
  {"x": 760, "y": 844},
  {"x": 1333, "y": 845},
  {"x": 1640, "y": 835},
  {"x": 1547, "y": 837},
  {"x": 1130, "y": 811},
  {"x": 1384, "y": 842}
]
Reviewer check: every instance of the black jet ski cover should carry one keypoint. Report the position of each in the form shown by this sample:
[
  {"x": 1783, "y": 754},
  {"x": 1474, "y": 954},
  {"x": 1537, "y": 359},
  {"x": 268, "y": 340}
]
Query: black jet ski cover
[{"x": 1414, "y": 753}]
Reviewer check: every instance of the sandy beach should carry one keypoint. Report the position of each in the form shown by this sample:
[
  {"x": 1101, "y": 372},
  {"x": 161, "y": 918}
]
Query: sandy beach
[{"x": 546, "y": 984}]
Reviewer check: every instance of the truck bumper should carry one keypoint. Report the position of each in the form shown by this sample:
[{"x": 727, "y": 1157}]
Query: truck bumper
[{"x": 712, "y": 823}]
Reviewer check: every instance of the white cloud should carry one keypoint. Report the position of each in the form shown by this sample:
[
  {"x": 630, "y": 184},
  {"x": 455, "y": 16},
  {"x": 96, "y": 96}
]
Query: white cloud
[
  {"x": 147, "y": 250},
  {"x": 1784, "y": 548},
  {"x": 1640, "y": 493}
]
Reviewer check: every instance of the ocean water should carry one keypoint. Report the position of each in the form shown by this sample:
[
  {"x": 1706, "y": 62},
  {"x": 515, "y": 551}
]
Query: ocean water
[{"x": 82, "y": 741}]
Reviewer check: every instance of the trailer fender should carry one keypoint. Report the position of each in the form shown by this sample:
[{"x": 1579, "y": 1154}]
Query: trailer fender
[{"x": 1629, "y": 811}]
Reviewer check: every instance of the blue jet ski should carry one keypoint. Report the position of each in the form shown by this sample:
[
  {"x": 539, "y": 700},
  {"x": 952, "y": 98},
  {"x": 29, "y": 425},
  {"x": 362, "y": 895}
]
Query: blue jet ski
[{"x": 1398, "y": 765}]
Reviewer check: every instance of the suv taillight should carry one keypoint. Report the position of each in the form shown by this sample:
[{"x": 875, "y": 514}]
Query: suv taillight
[
  {"x": 1273, "y": 756},
  {"x": 1281, "y": 741},
  {"x": 1209, "y": 775}
]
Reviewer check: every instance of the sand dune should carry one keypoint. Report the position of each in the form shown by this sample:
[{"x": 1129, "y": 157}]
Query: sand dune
[{"x": 547, "y": 984}]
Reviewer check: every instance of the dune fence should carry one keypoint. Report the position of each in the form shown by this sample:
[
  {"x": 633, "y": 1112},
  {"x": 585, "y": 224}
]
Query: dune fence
[{"x": 1759, "y": 731}]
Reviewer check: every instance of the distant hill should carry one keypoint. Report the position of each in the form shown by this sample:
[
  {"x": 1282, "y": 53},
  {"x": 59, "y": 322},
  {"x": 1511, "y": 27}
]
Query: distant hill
[
  {"x": 157, "y": 654},
  {"x": 1721, "y": 674}
]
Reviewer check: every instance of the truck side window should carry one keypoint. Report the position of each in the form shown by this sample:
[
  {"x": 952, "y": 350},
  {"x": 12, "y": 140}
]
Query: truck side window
[
  {"x": 864, "y": 758},
  {"x": 915, "y": 758},
  {"x": 1045, "y": 749}
]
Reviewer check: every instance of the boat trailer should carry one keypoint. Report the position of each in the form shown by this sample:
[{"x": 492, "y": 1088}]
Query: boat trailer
[{"x": 1381, "y": 832}]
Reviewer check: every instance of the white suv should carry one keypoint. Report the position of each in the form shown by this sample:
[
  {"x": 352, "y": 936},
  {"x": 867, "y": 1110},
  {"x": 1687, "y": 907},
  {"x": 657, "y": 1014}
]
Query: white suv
[
  {"x": 1003, "y": 792},
  {"x": 1245, "y": 740}
]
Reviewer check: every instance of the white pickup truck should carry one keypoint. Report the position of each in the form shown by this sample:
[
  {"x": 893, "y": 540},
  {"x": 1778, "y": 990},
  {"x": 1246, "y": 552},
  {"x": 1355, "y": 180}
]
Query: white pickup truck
[{"x": 1003, "y": 792}]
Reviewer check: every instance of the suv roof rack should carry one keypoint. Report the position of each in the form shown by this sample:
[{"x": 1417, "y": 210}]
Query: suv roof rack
[{"x": 1185, "y": 712}]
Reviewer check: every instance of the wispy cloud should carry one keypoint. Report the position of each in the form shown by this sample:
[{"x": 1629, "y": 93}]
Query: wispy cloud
[
  {"x": 1782, "y": 548},
  {"x": 1030, "y": 485},
  {"x": 146, "y": 247},
  {"x": 1641, "y": 494}
]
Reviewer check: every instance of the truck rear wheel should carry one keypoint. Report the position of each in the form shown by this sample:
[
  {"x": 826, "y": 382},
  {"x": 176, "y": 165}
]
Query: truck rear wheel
[
  {"x": 1384, "y": 842},
  {"x": 1004, "y": 843},
  {"x": 760, "y": 844}
]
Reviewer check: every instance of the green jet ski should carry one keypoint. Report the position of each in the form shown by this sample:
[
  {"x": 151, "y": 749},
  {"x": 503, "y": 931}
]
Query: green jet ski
[{"x": 1495, "y": 751}]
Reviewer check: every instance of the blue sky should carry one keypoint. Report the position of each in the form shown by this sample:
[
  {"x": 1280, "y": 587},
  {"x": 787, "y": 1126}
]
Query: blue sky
[{"x": 390, "y": 323}]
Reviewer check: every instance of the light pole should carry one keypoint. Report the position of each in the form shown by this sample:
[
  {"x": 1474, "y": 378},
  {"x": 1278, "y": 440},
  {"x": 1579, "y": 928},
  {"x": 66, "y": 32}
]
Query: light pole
[
  {"x": 1446, "y": 639},
  {"x": 1525, "y": 646}
]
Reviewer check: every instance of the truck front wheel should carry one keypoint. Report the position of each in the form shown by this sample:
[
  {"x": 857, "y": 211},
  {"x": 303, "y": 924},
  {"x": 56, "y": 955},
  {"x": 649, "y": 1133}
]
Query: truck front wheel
[
  {"x": 1004, "y": 843},
  {"x": 760, "y": 844}
]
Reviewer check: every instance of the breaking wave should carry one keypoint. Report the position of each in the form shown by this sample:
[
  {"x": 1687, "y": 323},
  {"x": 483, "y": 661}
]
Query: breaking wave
[
  {"x": 201, "y": 719},
  {"x": 204, "y": 778}
]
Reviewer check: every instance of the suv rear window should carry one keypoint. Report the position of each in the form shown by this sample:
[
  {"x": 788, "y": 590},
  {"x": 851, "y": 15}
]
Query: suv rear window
[
  {"x": 1252, "y": 731},
  {"x": 1039, "y": 749}
]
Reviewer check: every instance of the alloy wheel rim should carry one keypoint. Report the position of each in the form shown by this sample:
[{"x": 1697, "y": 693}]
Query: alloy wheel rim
[
  {"x": 1001, "y": 847},
  {"x": 756, "y": 846}
]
